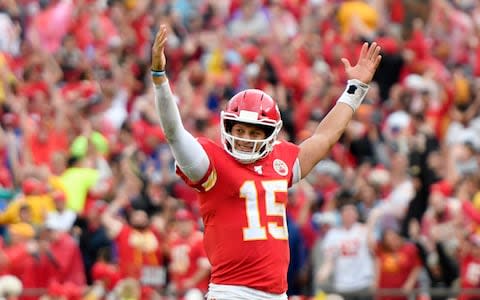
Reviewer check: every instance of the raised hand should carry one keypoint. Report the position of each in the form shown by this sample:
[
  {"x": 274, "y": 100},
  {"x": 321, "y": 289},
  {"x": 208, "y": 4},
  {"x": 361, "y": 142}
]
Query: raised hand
[
  {"x": 367, "y": 64},
  {"x": 158, "y": 49}
]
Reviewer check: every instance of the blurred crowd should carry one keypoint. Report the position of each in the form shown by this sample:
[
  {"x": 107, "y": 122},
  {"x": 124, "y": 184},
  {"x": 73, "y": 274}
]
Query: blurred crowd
[{"x": 91, "y": 207}]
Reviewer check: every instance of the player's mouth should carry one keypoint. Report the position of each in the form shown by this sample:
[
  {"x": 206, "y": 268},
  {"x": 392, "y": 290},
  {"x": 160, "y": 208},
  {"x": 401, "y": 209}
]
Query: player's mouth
[{"x": 244, "y": 148}]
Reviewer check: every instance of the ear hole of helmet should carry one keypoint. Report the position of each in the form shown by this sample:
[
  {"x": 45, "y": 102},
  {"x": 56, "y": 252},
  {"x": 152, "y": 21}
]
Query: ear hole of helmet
[{"x": 228, "y": 125}]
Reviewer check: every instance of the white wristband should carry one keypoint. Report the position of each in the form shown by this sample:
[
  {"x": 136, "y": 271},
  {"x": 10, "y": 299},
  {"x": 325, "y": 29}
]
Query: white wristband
[{"x": 354, "y": 93}]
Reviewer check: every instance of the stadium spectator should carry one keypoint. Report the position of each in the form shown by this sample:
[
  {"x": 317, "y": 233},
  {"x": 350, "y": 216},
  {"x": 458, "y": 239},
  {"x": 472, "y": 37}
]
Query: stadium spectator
[
  {"x": 35, "y": 198},
  {"x": 29, "y": 260},
  {"x": 61, "y": 219},
  {"x": 346, "y": 253},
  {"x": 189, "y": 265},
  {"x": 92, "y": 237},
  {"x": 69, "y": 68},
  {"x": 80, "y": 178},
  {"x": 398, "y": 261},
  {"x": 139, "y": 250},
  {"x": 66, "y": 253},
  {"x": 469, "y": 266}
]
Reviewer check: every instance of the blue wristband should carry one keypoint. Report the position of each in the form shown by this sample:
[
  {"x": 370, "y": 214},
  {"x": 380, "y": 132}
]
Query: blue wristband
[{"x": 156, "y": 73}]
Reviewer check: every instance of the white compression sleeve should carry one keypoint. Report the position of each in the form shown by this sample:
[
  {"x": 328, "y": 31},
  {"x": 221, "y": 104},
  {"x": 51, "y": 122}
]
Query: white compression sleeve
[{"x": 190, "y": 156}]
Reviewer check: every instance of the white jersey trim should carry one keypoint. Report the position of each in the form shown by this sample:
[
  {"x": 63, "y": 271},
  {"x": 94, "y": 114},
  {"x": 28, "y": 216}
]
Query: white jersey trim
[
  {"x": 296, "y": 172},
  {"x": 236, "y": 292}
]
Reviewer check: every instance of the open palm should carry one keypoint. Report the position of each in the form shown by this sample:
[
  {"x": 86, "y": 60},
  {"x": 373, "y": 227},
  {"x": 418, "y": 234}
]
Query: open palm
[
  {"x": 158, "y": 48},
  {"x": 367, "y": 64}
]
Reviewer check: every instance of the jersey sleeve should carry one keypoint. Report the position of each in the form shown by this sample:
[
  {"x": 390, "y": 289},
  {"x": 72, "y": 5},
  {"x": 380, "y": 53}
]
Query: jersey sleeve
[
  {"x": 208, "y": 181},
  {"x": 289, "y": 153}
]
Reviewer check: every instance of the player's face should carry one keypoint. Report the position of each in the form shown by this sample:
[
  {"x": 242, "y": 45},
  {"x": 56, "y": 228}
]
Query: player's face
[{"x": 247, "y": 131}]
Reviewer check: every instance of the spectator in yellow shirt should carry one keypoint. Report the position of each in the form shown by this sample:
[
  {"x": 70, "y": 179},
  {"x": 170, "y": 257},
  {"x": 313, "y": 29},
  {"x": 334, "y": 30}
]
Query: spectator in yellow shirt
[
  {"x": 78, "y": 180},
  {"x": 34, "y": 196}
]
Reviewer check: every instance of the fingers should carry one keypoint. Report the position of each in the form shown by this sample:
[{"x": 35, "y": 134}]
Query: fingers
[
  {"x": 162, "y": 30},
  {"x": 375, "y": 54},
  {"x": 161, "y": 37},
  {"x": 378, "y": 58},
  {"x": 373, "y": 51},
  {"x": 363, "y": 52},
  {"x": 346, "y": 63}
]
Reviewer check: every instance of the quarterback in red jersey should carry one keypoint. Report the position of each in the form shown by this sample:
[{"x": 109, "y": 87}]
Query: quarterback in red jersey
[{"x": 242, "y": 184}]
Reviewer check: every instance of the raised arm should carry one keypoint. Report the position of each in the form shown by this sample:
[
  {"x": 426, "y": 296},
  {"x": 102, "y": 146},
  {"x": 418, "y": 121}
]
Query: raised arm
[
  {"x": 190, "y": 156},
  {"x": 109, "y": 218},
  {"x": 330, "y": 129}
]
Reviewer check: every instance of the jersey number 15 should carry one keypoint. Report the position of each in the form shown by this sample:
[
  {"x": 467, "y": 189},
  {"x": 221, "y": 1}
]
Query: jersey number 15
[{"x": 255, "y": 230}]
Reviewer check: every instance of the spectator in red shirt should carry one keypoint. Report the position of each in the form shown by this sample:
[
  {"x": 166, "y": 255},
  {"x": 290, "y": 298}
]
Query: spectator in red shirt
[
  {"x": 442, "y": 213},
  {"x": 470, "y": 267},
  {"x": 64, "y": 249},
  {"x": 189, "y": 265},
  {"x": 139, "y": 249},
  {"x": 28, "y": 259},
  {"x": 398, "y": 261}
]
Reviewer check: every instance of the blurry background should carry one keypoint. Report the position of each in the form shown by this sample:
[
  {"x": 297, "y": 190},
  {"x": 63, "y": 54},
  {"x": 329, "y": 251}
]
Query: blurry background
[{"x": 91, "y": 207}]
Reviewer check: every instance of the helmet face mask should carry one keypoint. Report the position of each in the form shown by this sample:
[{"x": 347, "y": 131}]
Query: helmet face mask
[{"x": 256, "y": 108}]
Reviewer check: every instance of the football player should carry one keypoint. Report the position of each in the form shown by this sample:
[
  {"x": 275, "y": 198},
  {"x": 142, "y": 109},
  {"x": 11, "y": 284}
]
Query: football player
[{"x": 242, "y": 184}]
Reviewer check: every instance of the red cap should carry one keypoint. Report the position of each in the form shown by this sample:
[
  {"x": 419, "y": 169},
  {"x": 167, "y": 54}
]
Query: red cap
[
  {"x": 183, "y": 215},
  {"x": 388, "y": 44},
  {"x": 443, "y": 187},
  {"x": 250, "y": 53},
  {"x": 59, "y": 196},
  {"x": 31, "y": 186},
  {"x": 97, "y": 206}
]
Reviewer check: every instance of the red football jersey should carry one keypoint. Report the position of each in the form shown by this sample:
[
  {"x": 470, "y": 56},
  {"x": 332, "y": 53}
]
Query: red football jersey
[
  {"x": 243, "y": 210},
  {"x": 469, "y": 276},
  {"x": 185, "y": 255},
  {"x": 140, "y": 256},
  {"x": 395, "y": 267}
]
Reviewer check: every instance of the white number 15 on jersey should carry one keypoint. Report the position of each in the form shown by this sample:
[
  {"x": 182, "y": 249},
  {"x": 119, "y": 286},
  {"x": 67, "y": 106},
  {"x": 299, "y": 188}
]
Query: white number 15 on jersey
[{"x": 255, "y": 230}]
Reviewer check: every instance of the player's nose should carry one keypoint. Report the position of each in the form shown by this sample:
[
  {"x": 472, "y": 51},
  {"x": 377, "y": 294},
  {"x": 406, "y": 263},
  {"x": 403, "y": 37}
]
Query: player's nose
[
  {"x": 244, "y": 135},
  {"x": 251, "y": 135}
]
